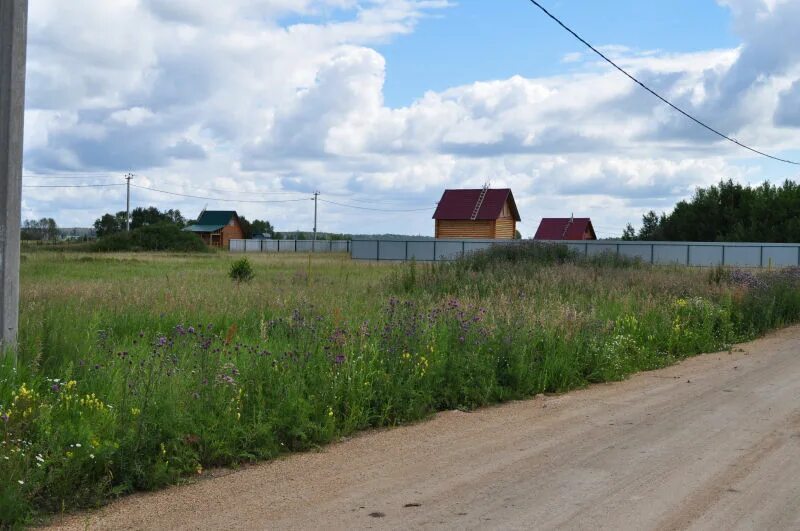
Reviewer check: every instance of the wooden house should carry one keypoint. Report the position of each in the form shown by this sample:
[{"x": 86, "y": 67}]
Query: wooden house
[
  {"x": 217, "y": 227},
  {"x": 565, "y": 229},
  {"x": 477, "y": 213}
]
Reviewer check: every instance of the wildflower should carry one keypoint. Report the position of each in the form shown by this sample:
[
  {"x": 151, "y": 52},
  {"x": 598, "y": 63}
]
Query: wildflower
[
  {"x": 69, "y": 454},
  {"x": 20, "y": 482},
  {"x": 199, "y": 469},
  {"x": 91, "y": 456},
  {"x": 339, "y": 359},
  {"x": 162, "y": 341},
  {"x": 77, "y": 445},
  {"x": 330, "y": 411},
  {"x": 5, "y": 416},
  {"x": 135, "y": 411},
  {"x": 191, "y": 330}
]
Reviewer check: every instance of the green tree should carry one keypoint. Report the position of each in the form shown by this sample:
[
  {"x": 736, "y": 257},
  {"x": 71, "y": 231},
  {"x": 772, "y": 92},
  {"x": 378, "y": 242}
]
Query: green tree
[
  {"x": 259, "y": 226},
  {"x": 629, "y": 233}
]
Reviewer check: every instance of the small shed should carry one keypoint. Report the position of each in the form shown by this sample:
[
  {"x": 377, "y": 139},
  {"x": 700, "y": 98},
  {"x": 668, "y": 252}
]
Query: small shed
[
  {"x": 217, "y": 227},
  {"x": 477, "y": 213},
  {"x": 565, "y": 229}
]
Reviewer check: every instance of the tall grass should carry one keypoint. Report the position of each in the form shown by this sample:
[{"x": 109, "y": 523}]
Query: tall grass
[{"x": 136, "y": 371}]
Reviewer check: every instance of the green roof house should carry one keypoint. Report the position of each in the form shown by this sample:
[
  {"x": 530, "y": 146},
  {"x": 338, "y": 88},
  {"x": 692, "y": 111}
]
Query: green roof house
[{"x": 217, "y": 227}]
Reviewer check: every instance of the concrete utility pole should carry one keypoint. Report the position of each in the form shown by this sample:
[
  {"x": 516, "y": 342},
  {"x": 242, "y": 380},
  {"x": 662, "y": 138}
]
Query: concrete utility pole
[
  {"x": 13, "y": 36},
  {"x": 315, "y": 216},
  {"x": 128, "y": 177}
]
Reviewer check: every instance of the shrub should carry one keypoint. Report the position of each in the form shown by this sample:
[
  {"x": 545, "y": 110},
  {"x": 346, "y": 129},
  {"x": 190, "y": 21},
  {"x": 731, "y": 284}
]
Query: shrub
[
  {"x": 241, "y": 271},
  {"x": 159, "y": 237}
]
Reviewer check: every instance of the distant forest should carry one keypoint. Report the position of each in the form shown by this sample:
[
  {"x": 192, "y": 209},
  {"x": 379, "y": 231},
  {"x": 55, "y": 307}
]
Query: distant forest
[{"x": 728, "y": 212}]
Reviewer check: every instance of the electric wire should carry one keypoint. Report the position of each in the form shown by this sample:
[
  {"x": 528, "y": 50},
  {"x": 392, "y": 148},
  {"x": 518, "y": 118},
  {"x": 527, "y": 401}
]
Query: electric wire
[
  {"x": 377, "y": 209},
  {"x": 656, "y": 94},
  {"x": 218, "y": 199}
]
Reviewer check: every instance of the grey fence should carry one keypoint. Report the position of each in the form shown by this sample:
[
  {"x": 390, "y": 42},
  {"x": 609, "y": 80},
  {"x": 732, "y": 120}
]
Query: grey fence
[
  {"x": 290, "y": 246},
  {"x": 685, "y": 253}
]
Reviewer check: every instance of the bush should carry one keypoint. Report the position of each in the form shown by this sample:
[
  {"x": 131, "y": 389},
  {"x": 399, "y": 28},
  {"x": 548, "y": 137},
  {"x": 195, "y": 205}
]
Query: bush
[
  {"x": 159, "y": 237},
  {"x": 241, "y": 271}
]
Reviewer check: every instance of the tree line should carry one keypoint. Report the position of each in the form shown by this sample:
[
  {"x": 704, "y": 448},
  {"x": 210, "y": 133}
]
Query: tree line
[{"x": 728, "y": 212}]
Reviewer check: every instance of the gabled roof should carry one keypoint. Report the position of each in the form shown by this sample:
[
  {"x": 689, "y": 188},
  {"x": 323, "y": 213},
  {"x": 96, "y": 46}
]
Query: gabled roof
[
  {"x": 212, "y": 220},
  {"x": 459, "y": 204},
  {"x": 215, "y": 217},
  {"x": 564, "y": 229}
]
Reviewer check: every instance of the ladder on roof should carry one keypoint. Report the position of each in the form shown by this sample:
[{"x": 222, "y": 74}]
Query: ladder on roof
[
  {"x": 481, "y": 197},
  {"x": 567, "y": 226}
]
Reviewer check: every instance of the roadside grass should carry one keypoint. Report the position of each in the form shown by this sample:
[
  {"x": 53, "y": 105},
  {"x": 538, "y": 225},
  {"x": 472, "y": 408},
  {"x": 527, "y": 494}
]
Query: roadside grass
[{"x": 136, "y": 371}]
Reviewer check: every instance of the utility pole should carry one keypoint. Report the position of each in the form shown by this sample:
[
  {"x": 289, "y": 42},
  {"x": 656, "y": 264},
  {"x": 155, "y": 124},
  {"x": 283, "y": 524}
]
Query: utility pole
[
  {"x": 128, "y": 177},
  {"x": 13, "y": 36},
  {"x": 315, "y": 215}
]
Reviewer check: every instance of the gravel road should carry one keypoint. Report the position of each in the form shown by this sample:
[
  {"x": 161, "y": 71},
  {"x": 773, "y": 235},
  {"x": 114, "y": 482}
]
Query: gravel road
[{"x": 712, "y": 443}]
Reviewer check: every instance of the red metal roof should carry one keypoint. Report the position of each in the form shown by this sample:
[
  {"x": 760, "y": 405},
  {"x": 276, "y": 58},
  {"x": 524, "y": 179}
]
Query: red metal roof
[
  {"x": 459, "y": 204},
  {"x": 565, "y": 229}
]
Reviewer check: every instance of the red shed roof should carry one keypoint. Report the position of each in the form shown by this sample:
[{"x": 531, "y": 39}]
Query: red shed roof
[
  {"x": 565, "y": 229},
  {"x": 459, "y": 204}
]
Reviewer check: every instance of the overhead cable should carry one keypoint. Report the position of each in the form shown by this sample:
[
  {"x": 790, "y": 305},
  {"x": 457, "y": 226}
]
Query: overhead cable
[{"x": 656, "y": 94}]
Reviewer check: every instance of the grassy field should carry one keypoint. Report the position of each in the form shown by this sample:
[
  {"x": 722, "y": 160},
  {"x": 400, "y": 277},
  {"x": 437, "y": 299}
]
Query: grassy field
[{"x": 135, "y": 371}]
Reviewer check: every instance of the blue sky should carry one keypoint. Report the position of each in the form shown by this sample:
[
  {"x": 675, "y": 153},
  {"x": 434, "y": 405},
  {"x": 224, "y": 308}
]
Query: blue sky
[
  {"x": 481, "y": 40},
  {"x": 388, "y": 102}
]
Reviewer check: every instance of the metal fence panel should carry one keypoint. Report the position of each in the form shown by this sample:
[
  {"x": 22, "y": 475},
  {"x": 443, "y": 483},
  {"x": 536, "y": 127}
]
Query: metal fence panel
[
  {"x": 237, "y": 246},
  {"x": 705, "y": 255},
  {"x": 448, "y": 250},
  {"x": 470, "y": 247},
  {"x": 743, "y": 256},
  {"x": 392, "y": 250},
  {"x": 364, "y": 249},
  {"x": 422, "y": 251},
  {"x": 269, "y": 246},
  {"x": 605, "y": 248},
  {"x": 340, "y": 246},
  {"x": 643, "y": 252},
  {"x": 670, "y": 254},
  {"x": 781, "y": 256}
]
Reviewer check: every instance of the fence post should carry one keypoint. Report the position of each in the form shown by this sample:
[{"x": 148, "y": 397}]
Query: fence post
[
  {"x": 761, "y": 257},
  {"x": 406, "y": 249},
  {"x": 434, "y": 251},
  {"x": 652, "y": 253},
  {"x": 723, "y": 254},
  {"x": 295, "y": 245},
  {"x": 378, "y": 253},
  {"x": 688, "y": 250},
  {"x": 463, "y": 243}
]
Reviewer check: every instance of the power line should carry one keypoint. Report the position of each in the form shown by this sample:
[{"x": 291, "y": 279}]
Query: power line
[
  {"x": 377, "y": 209},
  {"x": 656, "y": 94},
  {"x": 218, "y": 199}
]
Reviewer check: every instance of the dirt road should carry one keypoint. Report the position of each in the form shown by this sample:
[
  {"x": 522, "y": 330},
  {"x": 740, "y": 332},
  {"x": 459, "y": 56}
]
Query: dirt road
[{"x": 712, "y": 443}]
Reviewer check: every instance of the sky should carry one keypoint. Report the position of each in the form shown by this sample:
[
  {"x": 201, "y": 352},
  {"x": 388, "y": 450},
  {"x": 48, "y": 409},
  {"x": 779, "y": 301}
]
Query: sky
[{"x": 382, "y": 104}]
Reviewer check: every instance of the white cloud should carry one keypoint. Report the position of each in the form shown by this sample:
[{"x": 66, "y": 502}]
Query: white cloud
[{"x": 229, "y": 96}]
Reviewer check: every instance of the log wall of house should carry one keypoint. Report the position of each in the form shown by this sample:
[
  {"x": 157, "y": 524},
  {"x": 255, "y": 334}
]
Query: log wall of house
[
  {"x": 505, "y": 228},
  {"x": 464, "y": 228},
  {"x": 231, "y": 232}
]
